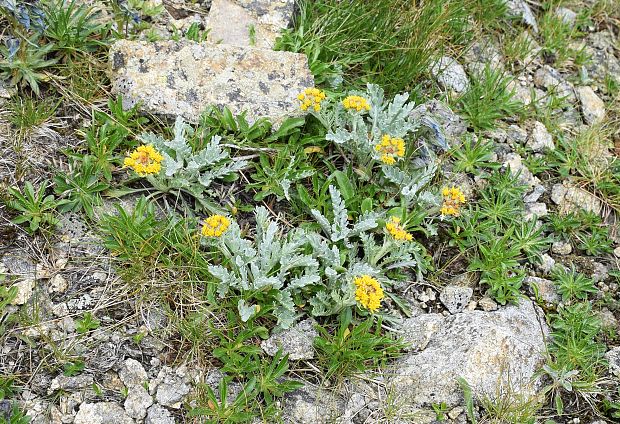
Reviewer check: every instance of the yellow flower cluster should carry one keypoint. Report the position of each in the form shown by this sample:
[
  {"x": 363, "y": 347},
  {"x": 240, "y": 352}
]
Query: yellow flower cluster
[
  {"x": 453, "y": 198},
  {"x": 368, "y": 292},
  {"x": 390, "y": 149},
  {"x": 144, "y": 160},
  {"x": 215, "y": 225},
  {"x": 397, "y": 231},
  {"x": 311, "y": 97},
  {"x": 357, "y": 103}
]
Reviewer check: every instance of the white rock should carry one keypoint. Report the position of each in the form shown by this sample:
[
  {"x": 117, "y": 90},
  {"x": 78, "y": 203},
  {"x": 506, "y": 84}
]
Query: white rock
[
  {"x": 312, "y": 405},
  {"x": 137, "y": 402},
  {"x": 58, "y": 284},
  {"x": 592, "y": 107},
  {"x": 24, "y": 291},
  {"x": 547, "y": 263},
  {"x": 487, "y": 349},
  {"x": 540, "y": 139},
  {"x": 514, "y": 162},
  {"x": 157, "y": 414},
  {"x": 418, "y": 331},
  {"x": 132, "y": 373},
  {"x": 171, "y": 388},
  {"x": 102, "y": 413},
  {"x": 545, "y": 289},
  {"x": 570, "y": 198},
  {"x": 520, "y": 9},
  {"x": 562, "y": 248},
  {"x": 613, "y": 357},
  {"x": 568, "y": 16},
  {"x": 297, "y": 341},
  {"x": 450, "y": 74},
  {"x": 455, "y": 298},
  {"x": 535, "y": 210},
  {"x": 487, "y": 304}
]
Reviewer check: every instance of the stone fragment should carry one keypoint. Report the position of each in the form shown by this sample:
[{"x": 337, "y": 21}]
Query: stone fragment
[
  {"x": 24, "y": 291},
  {"x": 58, "y": 284},
  {"x": 450, "y": 74},
  {"x": 617, "y": 252},
  {"x": 249, "y": 22},
  {"x": 515, "y": 134},
  {"x": 170, "y": 387},
  {"x": 132, "y": 373},
  {"x": 514, "y": 162},
  {"x": 102, "y": 413},
  {"x": 488, "y": 349},
  {"x": 451, "y": 124},
  {"x": 551, "y": 80},
  {"x": 592, "y": 107},
  {"x": 137, "y": 402},
  {"x": 418, "y": 331},
  {"x": 599, "y": 272},
  {"x": 535, "y": 194},
  {"x": 540, "y": 139},
  {"x": 70, "y": 384},
  {"x": 608, "y": 319},
  {"x": 487, "y": 304},
  {"x": 297, "y": 341},
  {"x": 185, "y": 78},
  {"x": 570, "y": 199},
  {"x": 520, "y": 9},
  {"x": 561, "y": 248},
  {"x": 482, "y": 54},
  {"x": 157, "y": 414},
  {"x": 568, "y": 16},
  {"x": 545, "y": 289},
  {"x": 613, "y": 358},
  {"x": 535, "y": 210},
  {"x": 312, "y": 405},
  {"x": 546, "y": 263},
  {"x": 455, "y": 298}
]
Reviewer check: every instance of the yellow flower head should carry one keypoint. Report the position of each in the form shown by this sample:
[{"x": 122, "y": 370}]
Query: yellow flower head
[
  {"x": 368, "y": 292},
  {"x": 215, "y": 225},
  {"x": 311, "y": 98},
  {"x": 144, "y": 160},
  {"x": 356, "y": 103},
  {"x": 396, "y": 230},
  {"x": 390, "y": 149},
  {"x": 453, "y": 199}
]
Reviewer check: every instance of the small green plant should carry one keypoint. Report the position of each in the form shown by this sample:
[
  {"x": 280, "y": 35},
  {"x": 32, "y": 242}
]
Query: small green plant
[
  {"x": 73, "y": 368},
  {"x": 25, "y": 64},
  {"x": 474, "y": 156},
  {"x": 217, "y": 407},
  {"x": 572, "y": 285},
  {"x": 36, "y": 209},
  {"x": 87, "y": 323},
  {"x": 80, "y": 189},
  {"x": 489, "y": 99},
  {"x": 440, "y": 410},
  {"x": 73, "y": 27},
  {"x": 354, "y": 347},
  {"x": 557, "y": 35},
  {"x": 196, "y": 34}
]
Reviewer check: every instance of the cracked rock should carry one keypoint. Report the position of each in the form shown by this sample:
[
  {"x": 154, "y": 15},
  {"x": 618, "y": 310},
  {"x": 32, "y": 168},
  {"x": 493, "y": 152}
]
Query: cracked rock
[
  {"x": 613, "y": 358},
  {"x": 132, "y": 373},
  {"x": 137, "y": 402},
  {"x": 157, "y": 414},
  {"x": 418, "y": 331},
  {"x": 540, "y": 139},
  {"x": 170, "y": 387},
  {"x": 570, "y": 199}
]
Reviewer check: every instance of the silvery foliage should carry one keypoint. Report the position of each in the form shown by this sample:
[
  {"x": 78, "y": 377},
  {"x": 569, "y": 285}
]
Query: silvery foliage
[
  {"x": 27, "y": 13},
  {"x": 272, "y": 264},
  {"x": 360, "y": 134},
  {"x": 347, "y": 251},
  {"x": 191, "y": 171}
]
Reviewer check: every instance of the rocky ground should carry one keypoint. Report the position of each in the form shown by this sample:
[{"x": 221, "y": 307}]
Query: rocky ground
[{"x": 87, "y": 346}]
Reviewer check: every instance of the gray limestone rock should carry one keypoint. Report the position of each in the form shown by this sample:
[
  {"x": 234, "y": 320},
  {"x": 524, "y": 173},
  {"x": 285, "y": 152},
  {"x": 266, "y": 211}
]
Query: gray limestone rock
[
  {"x": 312, "y": 405},
  {"x": 249, "y": 22},
  {"x": 488, "y": 349},
  {"x": 170, "y": 388},
  {"x": 592, "y": 107},
  {"x": 520, "y": 9},
  {"x": 514, "y": 162},
  {"x": 613, "y": 358},
  {"x": 297, "y": 341},
  {"x": 71, "y": 384},
  {"x": 570, "y": 199},
  {"x": 455, "y": 298},
  {"x": 540, "y": 139},
  {"x": 545, "y": 289},
  {"x": 102, "y": 413},
  {"x": 157, "y": 414},
  {"x": 185, "y": 78},
  {"x": 568, "y": 16},
  {"x": 561, "y": 248},
  {"x": 535, "y": 210},
  {"x": 132, "y": 373},
  {"x": 418, "y": 331},
  {"x": 137, "y": 402},
  {"x": 452, "y": 125},
  {"x": 450, "y": 74}
]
